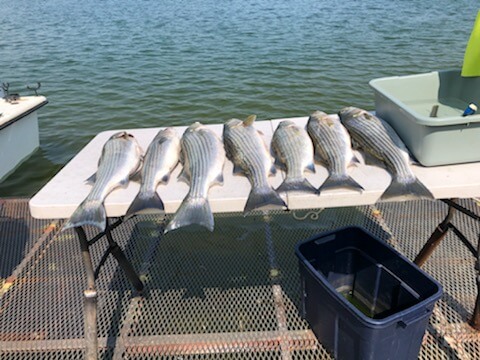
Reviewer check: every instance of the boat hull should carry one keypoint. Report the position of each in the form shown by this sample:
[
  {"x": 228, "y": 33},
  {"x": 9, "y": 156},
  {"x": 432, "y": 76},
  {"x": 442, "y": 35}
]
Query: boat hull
[{"x": 19, "y": 137}]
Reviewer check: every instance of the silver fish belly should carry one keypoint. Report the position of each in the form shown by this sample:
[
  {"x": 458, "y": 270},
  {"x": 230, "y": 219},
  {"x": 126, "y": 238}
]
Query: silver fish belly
[
  {"x": 293, "y": 149},
  {"x": 247, "y": 150},
  {"x": 160, "y": 159},
  {"x": 203, "y": 158},
  {"x": 121, "y": 158},
  {"x": 378, "y": 138},
  {"x": 332, "y": 148}
]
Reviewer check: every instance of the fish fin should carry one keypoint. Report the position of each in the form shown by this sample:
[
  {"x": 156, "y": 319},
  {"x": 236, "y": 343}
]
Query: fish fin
[
  {"x": 413, "y": 160},
  {"x": 355, "y": 161},
  {"x": 192, "y": 211},
  {"x": 280, "y": 165},
  {"x": 184, "y": 177},
  {"x": 218, "y": 180},
  {"x": 165, "y": 179},
  {"x": 310, "y": 168},
  {"x": 91, "y": 180},
  {"x": 273, "y": 151},
  {"x": 344, "y": 181},
  {"x": 414, "y": 189},
  {"x": 296, "y": 184},
  {"x": 123, "y": 183},
  {"x": 237, "y": 170},
  {"x": 146, "y": 203},
  {"x": 262, "y": 197},
  {"x": 181, "y": 157},
  {"x": 273, "y": 170},
  {"x": 319, "y": 160},
  {"x": 137, "y": 177},
  {"x": 369, "y": 159},
  {"x": 355, "y": 144},
  {"x": 228, "y": 150},
  {"x": 249, "y": 120},
  {"x": 89, "y": 212}
]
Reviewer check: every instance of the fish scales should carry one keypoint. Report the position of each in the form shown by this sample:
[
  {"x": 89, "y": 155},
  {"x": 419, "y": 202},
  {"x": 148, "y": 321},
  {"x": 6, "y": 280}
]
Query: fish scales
[
  {"x": 120, "y": 159},
  {"x": 294, "y": 150},
  {"x": 150, "y": 174},
  {"x": 333, "y": 147},
  {"x": 333, "y": 153},
  {"x": 203, "y": 161},
  {"x": 107, "y": 175},
  {"x": 377, "y": 138},
  {"x": 199, "y": 162},
  {"x": 254, "y": 160},
  {"x": 374, "y": 139},
  {"x": 291, "y": 153},
  {"x": 248, "y": 152},
  {"x": 160, "y": 159}
]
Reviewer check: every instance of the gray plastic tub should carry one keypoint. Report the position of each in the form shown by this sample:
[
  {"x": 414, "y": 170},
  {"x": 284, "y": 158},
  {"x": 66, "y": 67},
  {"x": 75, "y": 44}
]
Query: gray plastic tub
[{"x": 406, "y": 102}]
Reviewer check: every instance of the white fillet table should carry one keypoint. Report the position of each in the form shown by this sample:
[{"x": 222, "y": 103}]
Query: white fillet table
[{"x": 63, "y": 193}]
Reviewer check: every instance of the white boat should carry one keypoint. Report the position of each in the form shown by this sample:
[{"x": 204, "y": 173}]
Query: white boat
[{"x": 18, "y": 130}]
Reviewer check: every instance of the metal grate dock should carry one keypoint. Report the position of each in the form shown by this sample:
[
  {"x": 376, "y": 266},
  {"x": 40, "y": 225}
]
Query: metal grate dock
[{"x": 231, "y": 294}]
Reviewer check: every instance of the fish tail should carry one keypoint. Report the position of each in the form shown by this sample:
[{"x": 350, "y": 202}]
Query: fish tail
[
  {"x": 260, "y": 197},
  {"x": 146, "y": 201},
  {"x": 296, "y": 184},
  {"x": 413, "y": 189},
  {"x": 89, "y": 212},
  {"x": 192, "y": 211},
  {"x": 335, "y": 181}
]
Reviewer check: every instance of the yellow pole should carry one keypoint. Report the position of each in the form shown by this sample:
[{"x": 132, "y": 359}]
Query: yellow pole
[{"x": 471, "y": 60}]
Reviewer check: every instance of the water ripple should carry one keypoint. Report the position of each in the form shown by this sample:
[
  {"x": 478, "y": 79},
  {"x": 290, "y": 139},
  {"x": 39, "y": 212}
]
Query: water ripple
[{"x": 120, "y": 64}]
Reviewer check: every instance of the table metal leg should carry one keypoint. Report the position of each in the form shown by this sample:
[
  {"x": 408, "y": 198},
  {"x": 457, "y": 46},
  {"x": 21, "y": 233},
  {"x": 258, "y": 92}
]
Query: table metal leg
[
  {"x": 438, "y": 236},
  {"x": 434, "y": 239},
  {"x": 118, "y": 254},
  {"x": 475, "y": 320},
  {"x": 90, "y": 298},
  {"x": 90, "y": 294}
]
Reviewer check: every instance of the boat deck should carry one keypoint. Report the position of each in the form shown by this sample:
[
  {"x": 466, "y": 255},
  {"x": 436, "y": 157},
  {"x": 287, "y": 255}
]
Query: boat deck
[{"x": 230, "y": 294}]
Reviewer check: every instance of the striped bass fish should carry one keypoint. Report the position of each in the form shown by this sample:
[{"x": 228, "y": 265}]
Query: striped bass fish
[
  {"x": 203, "y": 158},
  {"x": 293, "y": 150},
  {"x": 160, "y": 159},
  {"x": 121, "y": 159},
  {"x": 248, "y": 152},
  {"x": 378, "y": 139},
  {"x": 333, "y": 148}
]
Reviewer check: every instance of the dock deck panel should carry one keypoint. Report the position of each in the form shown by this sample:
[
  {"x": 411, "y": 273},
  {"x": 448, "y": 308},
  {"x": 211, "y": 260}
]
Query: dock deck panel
[{"x": 230, "y": 294}]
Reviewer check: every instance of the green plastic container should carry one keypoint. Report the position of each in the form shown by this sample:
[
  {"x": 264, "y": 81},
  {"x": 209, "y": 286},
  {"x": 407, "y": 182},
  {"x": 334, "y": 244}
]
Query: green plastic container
[{"x": 406, "y": 103}]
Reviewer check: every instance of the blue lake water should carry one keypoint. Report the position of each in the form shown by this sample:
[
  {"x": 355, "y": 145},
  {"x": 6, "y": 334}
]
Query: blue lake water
[{"x": 146, "y": 63}]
